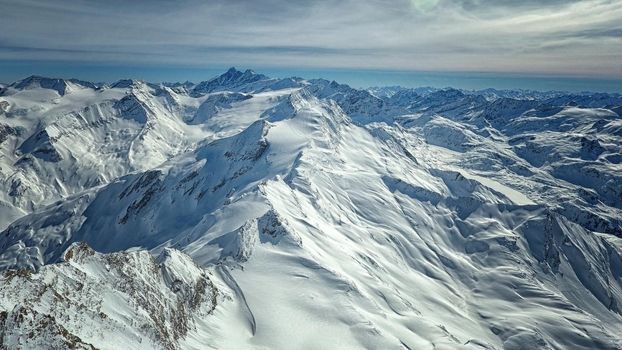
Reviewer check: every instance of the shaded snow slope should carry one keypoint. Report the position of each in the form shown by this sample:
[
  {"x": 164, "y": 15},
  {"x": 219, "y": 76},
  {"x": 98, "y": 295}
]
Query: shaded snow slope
[
  {"x": 53, "y": 147},
  {"x": 345, "y": 219}
]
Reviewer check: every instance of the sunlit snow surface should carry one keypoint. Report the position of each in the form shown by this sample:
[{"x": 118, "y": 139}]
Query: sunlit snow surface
[{"x": 319, "y": 216}]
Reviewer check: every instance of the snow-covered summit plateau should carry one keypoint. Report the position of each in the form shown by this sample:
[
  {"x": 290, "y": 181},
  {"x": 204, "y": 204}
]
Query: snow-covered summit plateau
[{"x": 252, "y": 212}]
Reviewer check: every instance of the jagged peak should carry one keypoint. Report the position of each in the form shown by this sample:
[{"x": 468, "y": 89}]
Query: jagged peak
[
  {"x": 233, "y": 74},
  {"x": 178, "y": 86},
  {"x": 448, "y": 93},
  {"x": 77, "y": 251},
  {"x": 232, "y": 70},
  {"x": 303, "y": 99},
  {"x": 132, "y": 107},
  {"x": 249, "y": 144},
  {"x": 177, "y": 266},
  {"x": 301, "y": 96},
  {"x": 165, "y": 299},
  {"x": 256, "y": 132},
  {"x": 288, "y": 105},
  {"x": 60, "y": 85},
  {"x": 127, "y": 83},
  {"x": 232, "y": 78}
]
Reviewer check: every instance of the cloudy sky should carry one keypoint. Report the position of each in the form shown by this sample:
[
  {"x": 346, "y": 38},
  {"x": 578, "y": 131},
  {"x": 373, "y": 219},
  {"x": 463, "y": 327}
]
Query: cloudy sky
[{"x": 530, "y": 37}]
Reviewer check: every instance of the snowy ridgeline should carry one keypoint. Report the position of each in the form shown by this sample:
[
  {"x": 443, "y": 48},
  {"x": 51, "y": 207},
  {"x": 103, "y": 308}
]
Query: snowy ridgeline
[{"x": 309, "y": 214}]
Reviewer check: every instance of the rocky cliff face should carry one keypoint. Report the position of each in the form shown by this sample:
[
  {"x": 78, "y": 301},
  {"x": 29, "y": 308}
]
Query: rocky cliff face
[{"x": 105, "y": 301}]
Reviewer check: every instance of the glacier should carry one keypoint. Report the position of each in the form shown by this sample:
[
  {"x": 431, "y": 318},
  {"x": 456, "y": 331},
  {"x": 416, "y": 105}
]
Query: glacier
[{"x": 255, "y": 212}]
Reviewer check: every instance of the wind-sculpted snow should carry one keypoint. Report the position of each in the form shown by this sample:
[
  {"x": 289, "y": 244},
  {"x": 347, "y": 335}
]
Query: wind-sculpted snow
[
  {"x": 390, "y": 218},
  {"x": 214, "y": 104}
]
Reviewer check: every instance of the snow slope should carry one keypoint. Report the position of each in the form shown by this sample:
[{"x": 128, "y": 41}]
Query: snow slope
[
  {"x": 322, "y": 216},
  {"x": 55, "y": 145}
]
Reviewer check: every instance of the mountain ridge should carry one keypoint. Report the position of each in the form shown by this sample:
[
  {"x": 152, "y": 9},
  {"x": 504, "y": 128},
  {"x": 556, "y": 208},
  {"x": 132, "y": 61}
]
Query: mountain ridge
[{"x": 232, "y": 74}]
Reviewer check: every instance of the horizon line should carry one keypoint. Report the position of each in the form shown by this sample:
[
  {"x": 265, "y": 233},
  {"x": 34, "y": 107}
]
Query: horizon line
[{"x": 290, "y": 72}]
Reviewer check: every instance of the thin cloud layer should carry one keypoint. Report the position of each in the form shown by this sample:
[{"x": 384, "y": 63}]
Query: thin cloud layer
[{"x": 553, "y": 36}]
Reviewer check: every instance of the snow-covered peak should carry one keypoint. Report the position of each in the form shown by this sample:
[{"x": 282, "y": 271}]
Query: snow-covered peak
[
  {"x": 139, "y": 85},
  {"x": 62, "y": 86},
  {"x": 187, "y": 84},
  {"x": 247, "y": 82},
  {"x": 126, "y": 83},
  {"x": 361, "y": 105},
  {"x": 183, "y": 88},
  {"x": 231, "y": 79}
]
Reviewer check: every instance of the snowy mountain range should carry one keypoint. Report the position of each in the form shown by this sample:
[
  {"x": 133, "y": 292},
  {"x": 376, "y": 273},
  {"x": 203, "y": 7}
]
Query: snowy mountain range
[{"x": 254, "y": 212}]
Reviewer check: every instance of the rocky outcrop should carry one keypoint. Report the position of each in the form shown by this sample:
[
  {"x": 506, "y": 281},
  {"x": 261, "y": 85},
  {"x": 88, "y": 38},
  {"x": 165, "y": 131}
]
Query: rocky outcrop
[{"x": 105, "y": 301}]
